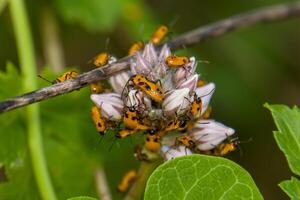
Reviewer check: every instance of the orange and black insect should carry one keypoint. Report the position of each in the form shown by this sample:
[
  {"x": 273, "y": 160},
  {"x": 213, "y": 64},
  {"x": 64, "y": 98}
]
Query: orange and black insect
[
  {"x": 127, "y": 180},
  {"x": 101, "y": 59},
  {"x": 177, "y": 61},
  {"x": 152, "y": 142},
  {"x": 138, "y": 46},
  {"x": 66, "y": 76},
  {"x": 152, "y": 89},
  {"x": 174, "y": 125},
  {"x": 226, "y": 147},
  {"x": 201, "y": 83},
  {"x": 125, "y": 133},
  {"x": 185, "y": 141},
  {"x": 132, "y": 120},
  {"x": 196, "y": 107},
  {"x": 99, "y": 121},
  {"x": 159, "y": 34}
]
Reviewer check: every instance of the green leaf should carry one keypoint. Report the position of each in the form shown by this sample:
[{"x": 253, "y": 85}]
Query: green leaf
[
  {"x": 82, "y": 198},
  {"x": 94, "y": 15},
  {"x": 291, "y": 188},
  {"x": 288, "y": 135},
  {"x": 201, "y": 177},
  {"x": 16, "y": 171}
]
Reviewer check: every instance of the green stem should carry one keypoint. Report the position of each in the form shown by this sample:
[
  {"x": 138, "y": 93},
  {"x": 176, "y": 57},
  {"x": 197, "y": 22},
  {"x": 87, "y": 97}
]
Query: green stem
[
  {"x": 138, "y": 188},
  {"x": 28, "y": 68}
]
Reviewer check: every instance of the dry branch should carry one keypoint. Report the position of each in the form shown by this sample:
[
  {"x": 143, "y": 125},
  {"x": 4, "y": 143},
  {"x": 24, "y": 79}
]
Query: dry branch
[{"x": 268, "y": 14}]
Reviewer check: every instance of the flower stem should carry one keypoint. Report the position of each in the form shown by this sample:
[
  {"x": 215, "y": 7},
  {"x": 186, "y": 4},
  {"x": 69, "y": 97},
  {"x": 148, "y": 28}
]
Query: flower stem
[
  {"x": 28, "y": 68},
  {"x": 138, "y": 188}
]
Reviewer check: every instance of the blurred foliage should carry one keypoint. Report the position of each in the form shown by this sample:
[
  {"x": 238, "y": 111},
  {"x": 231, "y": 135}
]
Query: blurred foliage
[
  {"x": 14, "y": 159},
  {"x": 288, "y": 139},
  {"x": 92, "y": 14},
  {"x": 195, "y": 177},
  {"x": 81, "y": 198},
  {"x": 2, "y": 4},
  {"x": 72, "y": 146}
]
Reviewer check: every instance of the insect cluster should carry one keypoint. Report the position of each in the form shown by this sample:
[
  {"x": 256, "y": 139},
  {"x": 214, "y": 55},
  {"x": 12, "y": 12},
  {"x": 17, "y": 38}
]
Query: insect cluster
[{"x": 163, "y": 98}]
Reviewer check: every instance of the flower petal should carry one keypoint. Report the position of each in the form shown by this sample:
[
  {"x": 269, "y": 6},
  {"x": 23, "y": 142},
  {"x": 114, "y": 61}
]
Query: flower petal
[
  {"x": 175, "y": 152},
  {"x": 207, "y": 134},
  {"x": 164, "y": 53},
  {"x": 205, "y": 92},
  {"x": 119, "y": 81},
  {"x": 138, "y": 100},
  {"x": 139, "y": 65},
  {"x": 190, "y": 83},
  {"x": 110, "y": 104},
  {"x": 176, "y": 101},
  {"x": 149, "y": 54},
  {"x": 186, "y": 71}
]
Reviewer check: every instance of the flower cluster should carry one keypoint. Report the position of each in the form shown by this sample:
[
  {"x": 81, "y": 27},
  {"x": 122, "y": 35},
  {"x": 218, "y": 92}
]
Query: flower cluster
[{"x": 163, "y": 97}]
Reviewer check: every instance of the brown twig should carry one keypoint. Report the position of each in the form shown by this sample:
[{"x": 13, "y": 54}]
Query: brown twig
[{"x": 268, "y": 14}]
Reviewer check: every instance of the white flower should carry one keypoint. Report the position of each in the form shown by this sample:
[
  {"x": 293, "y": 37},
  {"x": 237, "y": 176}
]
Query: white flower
[
  {"x": 139, "y": 65},
  {"x": 138, "y": 100},
  {"x": 186, "y": 71},
  {"x": 161, "y": 68},
  {"x": 176, "y": 101},
  {"x": 150, "y": 54},
  {"x": 111, "y": 105},
  {"x": 190, "y": 83},
  {"x": 205, "y": 92},
  {"x": 207, "y": 134},
  {"x": 119, "y": 80},
  {"x": 174, "y": 152}
]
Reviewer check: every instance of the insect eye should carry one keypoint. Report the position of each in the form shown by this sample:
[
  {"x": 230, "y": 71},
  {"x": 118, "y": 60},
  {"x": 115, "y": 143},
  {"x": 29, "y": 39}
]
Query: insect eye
[
  {"x": 99, "y": 124},
  {"x": 155, "y": 140},
  {"x": 148, "y": 139}
]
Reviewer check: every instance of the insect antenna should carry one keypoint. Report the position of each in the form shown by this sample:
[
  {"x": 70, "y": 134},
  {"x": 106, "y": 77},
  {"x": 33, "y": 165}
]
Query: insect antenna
[{"x": 44, "y": 79}]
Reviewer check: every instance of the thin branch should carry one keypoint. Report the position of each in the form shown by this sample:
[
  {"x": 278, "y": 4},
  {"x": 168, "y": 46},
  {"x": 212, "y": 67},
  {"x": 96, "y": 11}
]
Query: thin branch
[
  {"x": 101, "y": 184},
  {"x": 268, "y": 14}
]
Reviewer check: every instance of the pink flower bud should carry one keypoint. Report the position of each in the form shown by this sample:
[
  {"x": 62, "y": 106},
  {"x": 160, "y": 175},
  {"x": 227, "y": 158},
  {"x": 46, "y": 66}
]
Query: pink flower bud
[
  {"x": 119, "y": 80},
  {"x": 207, "y": 134},
  {"x": 174, "y": 152},
  {"x": 111, "y": 105},
  {"x": 176, "y": 101},
  {"x": 205, "y": 92}
]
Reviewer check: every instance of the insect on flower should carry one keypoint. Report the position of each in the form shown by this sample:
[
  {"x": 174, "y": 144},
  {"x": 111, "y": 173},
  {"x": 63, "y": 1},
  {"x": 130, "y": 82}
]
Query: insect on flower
[
  {"x": 135, "y": 48},
  {"x": 152, "y": 89},
  {"x": 177, "y": 61},
  {"x": 159, "y": 34},
  {"x": 127, "y": 180},
  {"x": 125, "y": 133},
  {"x": 98, "y": 120},
  {"x": 66, "y": 76},
  {"x": 186, "y": 141},
  {"x": 152, "y": 142},
  {"x": 131, "y": 119}
]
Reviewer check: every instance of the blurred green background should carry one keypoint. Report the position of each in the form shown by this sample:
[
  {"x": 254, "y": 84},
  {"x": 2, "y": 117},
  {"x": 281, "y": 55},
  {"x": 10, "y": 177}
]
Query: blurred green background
[{"x": 250, "y": 67}]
